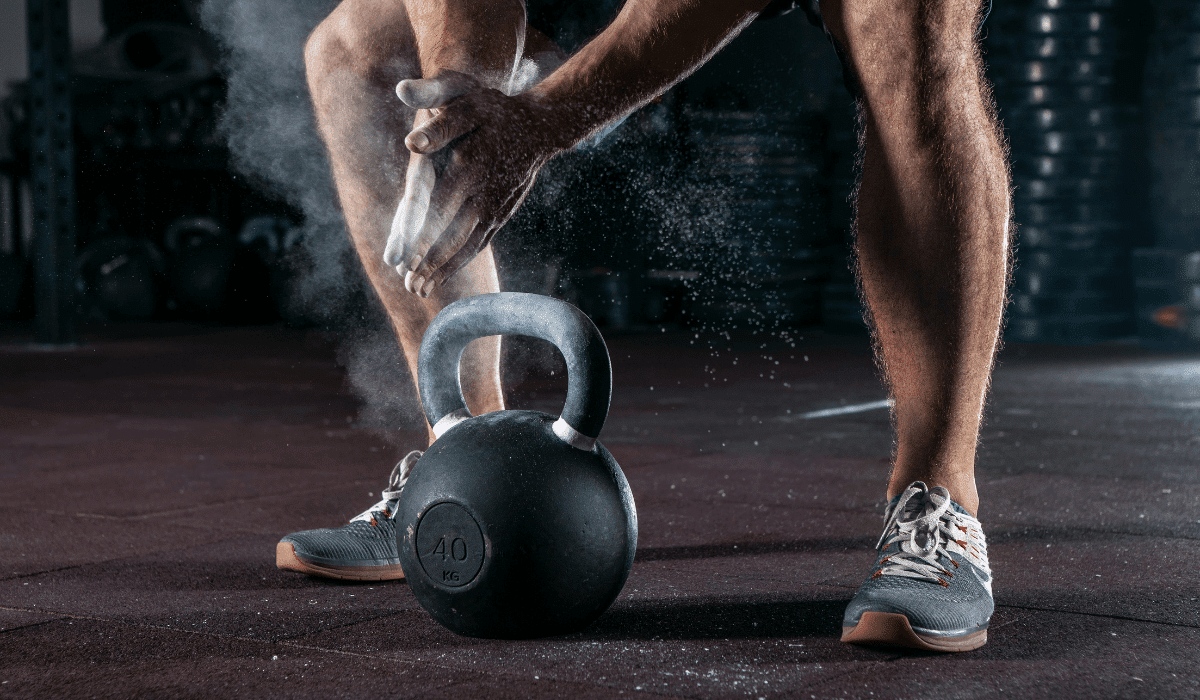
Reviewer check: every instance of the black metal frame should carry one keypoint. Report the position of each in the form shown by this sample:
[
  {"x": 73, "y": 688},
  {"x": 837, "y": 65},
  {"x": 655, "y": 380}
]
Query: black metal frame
[{"x": 52, "y": 170}]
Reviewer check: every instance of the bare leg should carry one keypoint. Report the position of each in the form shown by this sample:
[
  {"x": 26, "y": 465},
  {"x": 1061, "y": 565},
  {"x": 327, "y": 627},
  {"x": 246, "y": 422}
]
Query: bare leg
[
  {"x": 354, "y": 59},
  {"x": 932, "y": 229}
]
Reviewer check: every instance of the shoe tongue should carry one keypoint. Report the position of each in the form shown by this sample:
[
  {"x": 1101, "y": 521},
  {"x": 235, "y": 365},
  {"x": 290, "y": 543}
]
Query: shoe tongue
[{"x": 918, "y": 507}]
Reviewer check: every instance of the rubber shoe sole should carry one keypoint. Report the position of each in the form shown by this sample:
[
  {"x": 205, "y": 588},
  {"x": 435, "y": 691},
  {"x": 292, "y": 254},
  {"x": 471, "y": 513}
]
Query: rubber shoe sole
[
  {"x": 893, "y": 629},
  {"x": 286, "y": 559}
]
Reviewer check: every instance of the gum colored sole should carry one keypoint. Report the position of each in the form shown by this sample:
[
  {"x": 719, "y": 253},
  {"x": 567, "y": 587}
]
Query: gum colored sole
[
  {"x": 286, "y": 559},
  {"x": 893, "y": 629}
]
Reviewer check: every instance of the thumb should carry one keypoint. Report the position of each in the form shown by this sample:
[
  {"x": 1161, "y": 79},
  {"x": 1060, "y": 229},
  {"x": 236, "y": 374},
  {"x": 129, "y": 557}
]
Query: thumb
[
  {"x": 435, "y": 134},
  {"x": 431, "y": 93}
]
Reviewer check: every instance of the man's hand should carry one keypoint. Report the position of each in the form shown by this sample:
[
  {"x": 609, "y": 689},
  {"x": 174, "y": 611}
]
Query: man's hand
[
  {"x": 456, "y": 199},
  {"x": 498, "y": 143}
]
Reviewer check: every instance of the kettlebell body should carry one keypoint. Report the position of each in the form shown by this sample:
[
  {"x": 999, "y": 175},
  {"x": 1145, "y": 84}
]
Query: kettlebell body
[{"x": 516, "y": 524}]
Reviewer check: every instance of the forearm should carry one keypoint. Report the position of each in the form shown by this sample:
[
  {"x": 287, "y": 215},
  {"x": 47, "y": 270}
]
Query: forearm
[
  {"x": 484, "y": 38},
  {"x": 650, "y": 46}
]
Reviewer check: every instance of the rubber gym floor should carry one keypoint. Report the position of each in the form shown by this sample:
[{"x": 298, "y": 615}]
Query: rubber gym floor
[{"x": 148, "y": 473}]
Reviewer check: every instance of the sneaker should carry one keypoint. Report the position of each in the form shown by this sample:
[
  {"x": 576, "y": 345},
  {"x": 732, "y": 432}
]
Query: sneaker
[
  {"x": 362, "y": 550},
  {"x": 932, "y": 587}
]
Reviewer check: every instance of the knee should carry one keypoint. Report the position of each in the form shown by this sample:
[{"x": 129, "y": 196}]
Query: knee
[
  {"x": 349, "y": 40},
  {"x": 926, "y": 40},
  {"x": 324, "y": 51}
]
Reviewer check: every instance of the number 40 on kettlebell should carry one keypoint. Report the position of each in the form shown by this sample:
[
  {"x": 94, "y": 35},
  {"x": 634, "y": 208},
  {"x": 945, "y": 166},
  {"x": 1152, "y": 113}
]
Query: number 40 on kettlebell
[{"x": 516, "y": 524}]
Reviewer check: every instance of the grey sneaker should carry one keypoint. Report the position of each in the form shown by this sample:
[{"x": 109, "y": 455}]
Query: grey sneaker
[
  {"x": 932, "y": 587},
  {"x": 363, "y": 549}
]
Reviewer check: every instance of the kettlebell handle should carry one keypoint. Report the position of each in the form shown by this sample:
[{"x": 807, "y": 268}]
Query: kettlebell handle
[{"x": 589, "y": 372}]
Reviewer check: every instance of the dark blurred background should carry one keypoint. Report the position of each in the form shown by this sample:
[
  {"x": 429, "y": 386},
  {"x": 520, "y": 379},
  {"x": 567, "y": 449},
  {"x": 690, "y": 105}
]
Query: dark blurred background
[{"x": 725, "y": 205}]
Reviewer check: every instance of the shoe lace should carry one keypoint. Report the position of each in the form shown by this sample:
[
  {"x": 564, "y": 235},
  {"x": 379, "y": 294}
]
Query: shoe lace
[
  {"x": 927, "y": 529},
  {"x": 390, "y": 495}
]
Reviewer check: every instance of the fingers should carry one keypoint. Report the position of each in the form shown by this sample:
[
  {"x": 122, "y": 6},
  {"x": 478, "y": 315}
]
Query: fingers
[
  {"x": 464, "y": 238},
  {"x": 442, "y": 207},
  {"x": 409, "y": 221},
  {"x": 511, "y": 204},
  {"x": 445, "y": 127},
  {"x": 475, "y": 245},
  {"x": 411, "y": 282},
  {"x": 431, "y": 93},
  {"x": 431, "y": 269}
]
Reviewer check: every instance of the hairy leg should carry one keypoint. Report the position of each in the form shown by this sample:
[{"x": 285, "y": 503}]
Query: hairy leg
[
  {"x": 354, "y": 60},
  {"x": 932, "y": 230}
]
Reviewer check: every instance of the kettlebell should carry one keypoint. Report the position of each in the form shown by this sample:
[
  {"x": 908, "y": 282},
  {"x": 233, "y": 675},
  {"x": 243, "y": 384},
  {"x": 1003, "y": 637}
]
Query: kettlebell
[
  {"x": 516, "y": 524},
  {"x": 119, "y": 278},
  {"x": 201, "y": 263}
]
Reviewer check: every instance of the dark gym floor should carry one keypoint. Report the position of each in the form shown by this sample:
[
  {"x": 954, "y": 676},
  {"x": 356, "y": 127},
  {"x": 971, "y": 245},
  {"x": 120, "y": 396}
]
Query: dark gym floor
[{"x": 146, "y": 481}]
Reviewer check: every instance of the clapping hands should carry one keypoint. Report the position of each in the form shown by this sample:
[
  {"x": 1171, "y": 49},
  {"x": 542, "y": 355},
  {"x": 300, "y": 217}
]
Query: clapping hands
[{"x": 476, "y": 153}]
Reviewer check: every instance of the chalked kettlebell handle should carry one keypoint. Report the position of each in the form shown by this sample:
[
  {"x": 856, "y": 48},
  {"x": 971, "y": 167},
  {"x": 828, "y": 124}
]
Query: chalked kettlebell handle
[{"x": 589, "y": 372}]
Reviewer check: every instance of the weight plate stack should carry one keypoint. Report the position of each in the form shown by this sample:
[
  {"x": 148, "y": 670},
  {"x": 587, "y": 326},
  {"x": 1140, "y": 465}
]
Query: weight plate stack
[
  {"x": 1071, "y": 237},
  {"x": 841, "y": 170},
  {"x": 1059, "y": 68},
  {"x": 841, "y": 307},
  {"x": 1068, "y": 328},
  {"x": 1172, "y": 101},
  {"x": 768, "y": 169}
]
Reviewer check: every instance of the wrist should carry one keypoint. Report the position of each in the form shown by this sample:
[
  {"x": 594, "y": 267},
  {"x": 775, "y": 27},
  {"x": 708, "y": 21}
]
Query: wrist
[
  {"x": 553, "y": 127},
  {"x": 563, "y": 119}
]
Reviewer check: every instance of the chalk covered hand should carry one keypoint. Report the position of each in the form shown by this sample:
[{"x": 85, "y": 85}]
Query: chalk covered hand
[
  {"x": 487, "y": 147},
  {"x": 476, "y": 153}
]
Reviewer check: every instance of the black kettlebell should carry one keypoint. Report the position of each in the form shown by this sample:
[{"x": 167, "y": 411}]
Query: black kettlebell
[
  {"x": 119, "y": 278},
  {"x": 516, "y": 524},
  {"x": 202, "y": 259}
]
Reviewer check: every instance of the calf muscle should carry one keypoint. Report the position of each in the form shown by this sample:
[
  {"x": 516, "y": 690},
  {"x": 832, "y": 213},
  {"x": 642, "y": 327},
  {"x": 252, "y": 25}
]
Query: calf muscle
[{"x": 932, "y": 225}]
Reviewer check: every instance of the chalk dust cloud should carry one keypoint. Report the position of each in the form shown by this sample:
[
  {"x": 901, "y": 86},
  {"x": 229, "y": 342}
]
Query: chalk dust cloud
[
  {"x": 270, "y": 128},
  {"x": 637, "y": 200}
]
